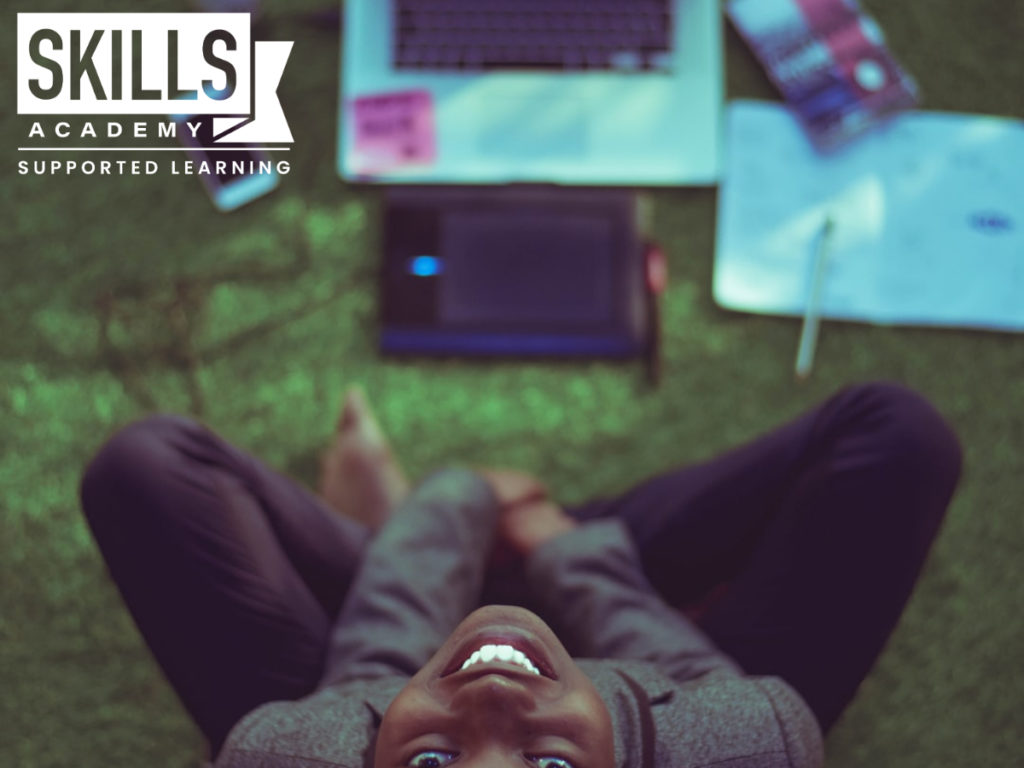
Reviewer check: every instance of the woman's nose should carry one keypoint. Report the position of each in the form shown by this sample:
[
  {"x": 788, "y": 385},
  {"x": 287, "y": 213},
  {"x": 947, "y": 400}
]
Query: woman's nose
[{"x": 490, "y": 694}]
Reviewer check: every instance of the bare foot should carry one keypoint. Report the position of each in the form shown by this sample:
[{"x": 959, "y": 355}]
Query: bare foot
[{"x": 360, "y": 477}]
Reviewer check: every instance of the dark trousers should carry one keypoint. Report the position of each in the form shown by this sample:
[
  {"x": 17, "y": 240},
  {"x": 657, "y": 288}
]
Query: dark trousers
[{"x": 799, "y": 549}]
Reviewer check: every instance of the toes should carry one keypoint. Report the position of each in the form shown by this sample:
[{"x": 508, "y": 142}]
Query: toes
[{"x": 354, "y": 409}]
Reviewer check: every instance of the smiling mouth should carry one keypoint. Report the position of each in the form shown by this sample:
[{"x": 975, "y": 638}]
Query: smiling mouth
[
  {"x": 501, "y": 650},
  {"x": 490, "y": 652}
]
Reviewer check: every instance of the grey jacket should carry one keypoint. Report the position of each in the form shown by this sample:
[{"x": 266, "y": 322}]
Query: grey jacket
[{"x": 675, "y": 701}]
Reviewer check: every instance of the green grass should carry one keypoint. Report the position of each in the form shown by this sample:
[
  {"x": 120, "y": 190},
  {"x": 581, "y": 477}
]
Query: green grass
[{"x": 126, "y": 295}]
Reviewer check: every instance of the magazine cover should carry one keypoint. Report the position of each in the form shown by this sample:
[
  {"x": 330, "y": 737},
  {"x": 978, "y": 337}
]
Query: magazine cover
[{"x": 311, "y": 457}]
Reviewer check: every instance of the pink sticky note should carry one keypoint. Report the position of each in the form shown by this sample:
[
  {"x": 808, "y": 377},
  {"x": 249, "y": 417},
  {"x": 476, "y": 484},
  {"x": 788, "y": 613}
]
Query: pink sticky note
[{"x": 393, "y": 130}]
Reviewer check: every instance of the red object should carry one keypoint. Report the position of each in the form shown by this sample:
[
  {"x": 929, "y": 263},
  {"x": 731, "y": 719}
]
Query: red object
[{"x": 657, "y": 269}]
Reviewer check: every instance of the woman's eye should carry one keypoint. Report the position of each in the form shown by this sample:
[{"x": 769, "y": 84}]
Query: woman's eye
[
  {"x": 551, "y": 762},
  {"x": 431, "y": 759}
]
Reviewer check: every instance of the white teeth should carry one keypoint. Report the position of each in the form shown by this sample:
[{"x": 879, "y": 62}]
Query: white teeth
[{"x": 504, "y": 653}]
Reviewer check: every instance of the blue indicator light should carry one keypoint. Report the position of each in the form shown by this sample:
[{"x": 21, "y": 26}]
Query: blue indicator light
[{"x": 425, "y": 266}]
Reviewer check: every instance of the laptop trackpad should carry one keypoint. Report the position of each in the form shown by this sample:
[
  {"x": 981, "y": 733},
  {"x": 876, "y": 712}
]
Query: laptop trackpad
[{"x": 532, "y": 127}]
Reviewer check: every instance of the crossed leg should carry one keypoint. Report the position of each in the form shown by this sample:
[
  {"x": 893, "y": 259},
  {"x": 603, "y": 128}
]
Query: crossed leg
[
  {"x": 232, "y": 572},
  {"x": 815, "y": 532}
]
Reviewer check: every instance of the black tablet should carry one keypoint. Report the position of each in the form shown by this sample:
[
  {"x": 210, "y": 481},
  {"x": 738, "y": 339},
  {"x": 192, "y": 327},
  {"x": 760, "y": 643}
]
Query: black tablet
[{"x": 512, "y": 271}]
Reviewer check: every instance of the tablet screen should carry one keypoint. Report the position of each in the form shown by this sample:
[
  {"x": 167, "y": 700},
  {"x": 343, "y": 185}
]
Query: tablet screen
[{"x": 527, "y": 269}]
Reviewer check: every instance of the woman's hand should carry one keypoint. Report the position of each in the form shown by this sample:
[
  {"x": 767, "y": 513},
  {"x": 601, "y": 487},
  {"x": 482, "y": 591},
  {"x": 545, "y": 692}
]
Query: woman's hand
[
  {"x": 514, "y": 487},
  {"x": 528, "y": 518},
  {"x": 524, "y": 527}
]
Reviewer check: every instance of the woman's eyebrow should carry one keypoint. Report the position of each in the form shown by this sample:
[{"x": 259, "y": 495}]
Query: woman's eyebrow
[{"x": 435, "y": 722}]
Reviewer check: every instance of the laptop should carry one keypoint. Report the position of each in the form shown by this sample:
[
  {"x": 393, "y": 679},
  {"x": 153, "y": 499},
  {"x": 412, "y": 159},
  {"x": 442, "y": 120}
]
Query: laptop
[{"x": 574, "y": 92}]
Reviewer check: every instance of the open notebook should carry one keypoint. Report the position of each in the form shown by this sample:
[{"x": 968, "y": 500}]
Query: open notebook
[{"x": 928, "y": 213}]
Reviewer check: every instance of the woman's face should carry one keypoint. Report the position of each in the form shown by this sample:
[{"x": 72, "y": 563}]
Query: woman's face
[{"x": 501, "y": 691}]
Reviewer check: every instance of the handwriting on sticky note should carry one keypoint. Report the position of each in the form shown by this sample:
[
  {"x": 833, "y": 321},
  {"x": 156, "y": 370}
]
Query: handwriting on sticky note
[{"x": 393, "y": 131}]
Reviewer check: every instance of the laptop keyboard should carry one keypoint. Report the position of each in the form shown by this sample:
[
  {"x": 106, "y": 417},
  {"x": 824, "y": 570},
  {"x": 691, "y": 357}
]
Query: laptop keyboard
[{"x": 619, "y": 35}]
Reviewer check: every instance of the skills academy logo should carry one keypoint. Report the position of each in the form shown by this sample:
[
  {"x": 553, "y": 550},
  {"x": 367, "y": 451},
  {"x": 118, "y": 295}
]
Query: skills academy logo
[{"x": 199, "y": 73}]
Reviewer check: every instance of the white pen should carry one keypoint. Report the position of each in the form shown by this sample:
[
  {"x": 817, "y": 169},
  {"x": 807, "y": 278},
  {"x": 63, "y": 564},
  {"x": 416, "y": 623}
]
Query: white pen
[{"x": 812, "y": 310}]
